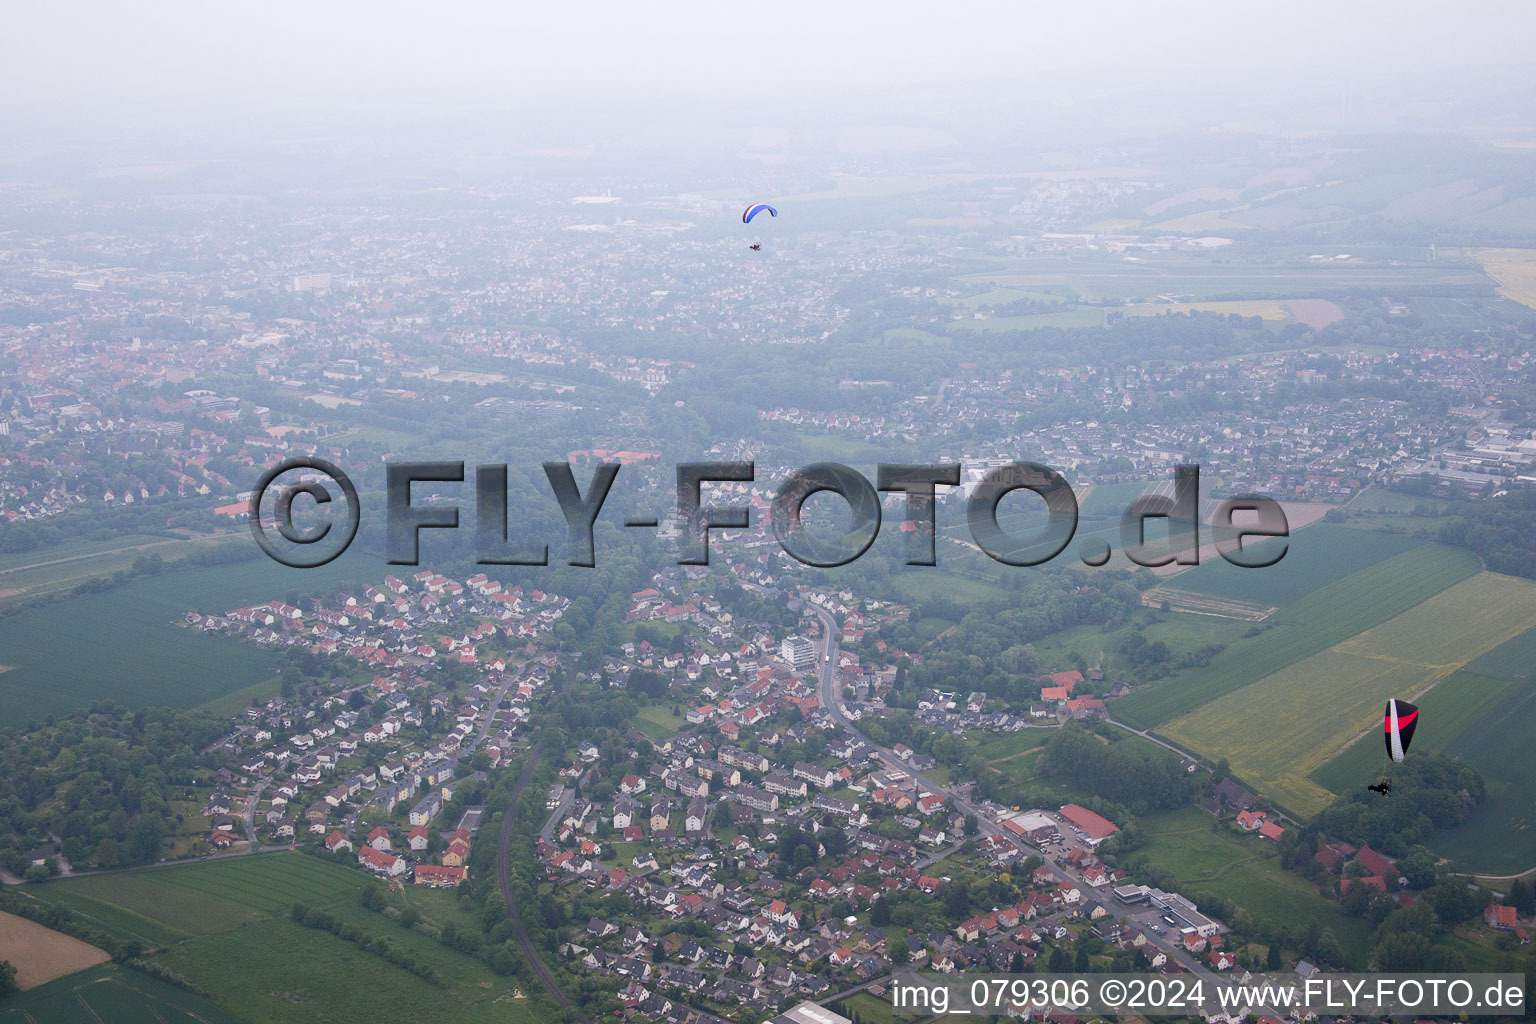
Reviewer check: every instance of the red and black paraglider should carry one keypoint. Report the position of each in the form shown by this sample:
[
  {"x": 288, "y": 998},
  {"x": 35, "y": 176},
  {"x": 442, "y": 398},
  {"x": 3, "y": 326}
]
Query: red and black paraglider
[{"x": 1398, "y": 724}]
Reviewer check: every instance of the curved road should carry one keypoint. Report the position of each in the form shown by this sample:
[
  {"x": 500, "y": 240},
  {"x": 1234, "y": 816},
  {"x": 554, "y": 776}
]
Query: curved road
[{"x": 504, "y": 879}]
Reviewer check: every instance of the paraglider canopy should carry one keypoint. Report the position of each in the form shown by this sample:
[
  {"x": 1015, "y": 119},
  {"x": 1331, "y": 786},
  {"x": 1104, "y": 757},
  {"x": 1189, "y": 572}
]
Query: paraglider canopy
[
  {"x": 1399, "y": 722},
  {"x": 755, "y": 209}
]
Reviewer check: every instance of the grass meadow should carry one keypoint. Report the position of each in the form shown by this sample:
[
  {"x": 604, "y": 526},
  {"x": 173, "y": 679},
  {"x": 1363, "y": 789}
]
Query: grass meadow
[
  {"x": 225, "y": 925},
  {"x": 1245, "y": 869}
]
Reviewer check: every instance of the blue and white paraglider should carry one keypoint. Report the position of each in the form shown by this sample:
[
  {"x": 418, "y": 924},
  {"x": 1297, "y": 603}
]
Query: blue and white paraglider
[{"x": 753, "y": 211}]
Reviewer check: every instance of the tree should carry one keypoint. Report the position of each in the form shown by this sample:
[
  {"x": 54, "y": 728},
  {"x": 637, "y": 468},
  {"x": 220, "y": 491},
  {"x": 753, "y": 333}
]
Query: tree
[
  {"x": 7, "y": 978},
  {"x": 1328, "y": 949},
  {"x": 1418, "y": 867},
  {"x": 957, "y": 900},
  {"x": 1272, "y": 960},
  {"x": 1455, "y": 901},
  {"x": 144, "y": 838},
  {"x": 1522, "y": 897},
  {"x": 722, "y": 816},
  {"x": 898, "y": 950},
  {"x": 880, "y": 914}
]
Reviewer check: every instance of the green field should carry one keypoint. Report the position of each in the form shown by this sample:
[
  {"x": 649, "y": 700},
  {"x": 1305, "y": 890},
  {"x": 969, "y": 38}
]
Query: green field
[
  {"x": 1246, "y": 870},
  {"x": 1483, "y": 715},
  {"x": 225, "y": 925},
  {"x": 166, "y": 905},
  {"x": 1514, "y": 659},
  {"x": 1323, "y": 618},
  {"x": 110, "y": 994},
  {"x": 30, "y": 573},
  {"x": 126, "y": 644},
  {"x": 1447, "y": 314},
  {"x": 1455, "y": 704},
  {"x": 1500, "y": 835},
  {"x": 135, "y": 906},
  {"x": 1324, "y": 553},
  {"x": 658, "y": 722},
  {"x": 1112, "y": 500},
  {"x": 870, "y": 1008},
  {"x": 1280, "y": 729},
  {"x": 1084, "y": 316},
  {"x": 1110, "y": 277},
  {"x": 280, "y": 972},
  {"x": 1002, "y": 297},
  {"x": 1182, "y": 634},
  {"x": 1376, "y": 509}
]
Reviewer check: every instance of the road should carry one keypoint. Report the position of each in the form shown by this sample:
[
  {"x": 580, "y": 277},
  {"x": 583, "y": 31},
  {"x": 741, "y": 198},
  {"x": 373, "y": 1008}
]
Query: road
[
  {"x": 251, "y": 800},
  {"x": 831, "y": 696},
  {"x": 504, "y": 880}
]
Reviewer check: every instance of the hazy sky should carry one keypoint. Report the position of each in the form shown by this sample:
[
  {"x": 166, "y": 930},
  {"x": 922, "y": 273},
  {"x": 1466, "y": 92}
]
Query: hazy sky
[{"x": 80, "y": 68}]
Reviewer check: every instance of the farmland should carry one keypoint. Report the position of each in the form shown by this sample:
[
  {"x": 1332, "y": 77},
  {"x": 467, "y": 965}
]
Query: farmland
[
  {"x": 1086, "y": 316},
  {"x": 1324, "y": 554},
  {"x": 1265, "y": 309},
  {"x": 1500, "y": 835},
  {"x": 125, "y": 644},
  {"x": 1315, "y": 313},
  {"x": 1272, "y": 731},
  {"x": 32, "y": 573},
  {"x": 225, "y": 925},
  {"x": 41, "y": 954},
  {"x": 167, "y": 905},
  {"x": 1317, "y": 621},
  {"x": 1483, "y": 715},
  {"x": 1202, "y": 280},
  {"x": 1455, "y": 704},
  {"x": 113, "y": 994},
  {"x": 1514, "y": 270},
  {"x": 279, "y": 971}
]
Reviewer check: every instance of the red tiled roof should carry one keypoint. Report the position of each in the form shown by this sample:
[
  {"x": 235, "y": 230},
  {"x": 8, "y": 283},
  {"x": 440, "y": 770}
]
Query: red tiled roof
[{"x": 1092, "y": 825}]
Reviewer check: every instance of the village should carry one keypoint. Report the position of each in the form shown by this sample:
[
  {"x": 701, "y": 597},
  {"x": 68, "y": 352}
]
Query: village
[
  {"x": 761, "y": 825},
  {"x": 757, "y": 851}
]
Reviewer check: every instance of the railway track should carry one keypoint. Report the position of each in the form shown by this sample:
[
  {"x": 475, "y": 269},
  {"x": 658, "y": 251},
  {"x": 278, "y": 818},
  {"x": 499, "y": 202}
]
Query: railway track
[{"x": 504, "y": 879}]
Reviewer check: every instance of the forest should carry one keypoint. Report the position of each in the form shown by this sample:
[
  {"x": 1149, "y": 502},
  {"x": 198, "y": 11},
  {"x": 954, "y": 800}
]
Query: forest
[
  {"x": 101, "y": 780},
  {"x": 1143, "y": 780},
  {"x": 1429, "y": 793},
  {"x": 1501, "y": 529}
]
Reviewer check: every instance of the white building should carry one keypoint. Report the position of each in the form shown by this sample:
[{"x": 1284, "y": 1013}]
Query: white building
[{"x": 799, "y": 652}]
